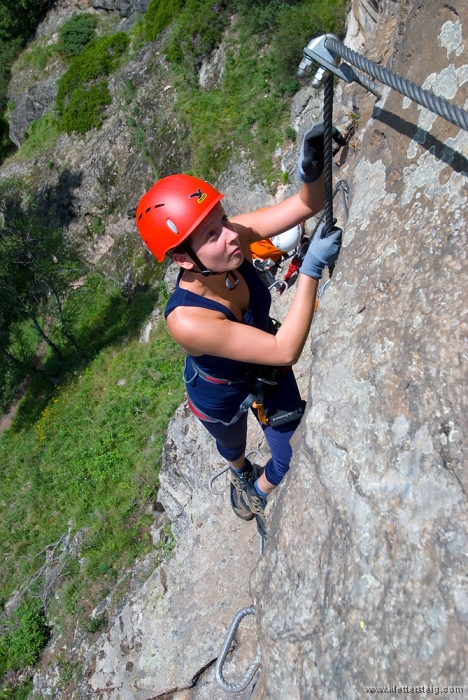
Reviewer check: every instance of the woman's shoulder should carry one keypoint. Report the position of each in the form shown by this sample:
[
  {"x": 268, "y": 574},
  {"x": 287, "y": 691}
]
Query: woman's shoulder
[{"x": 189, "y": 302}]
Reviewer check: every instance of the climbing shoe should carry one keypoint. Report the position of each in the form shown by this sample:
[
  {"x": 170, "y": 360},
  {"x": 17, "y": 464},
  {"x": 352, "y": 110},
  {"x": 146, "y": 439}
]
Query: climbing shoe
[
  {"x": 239, "y": 479},
  {"x": 255, "y": 504}
]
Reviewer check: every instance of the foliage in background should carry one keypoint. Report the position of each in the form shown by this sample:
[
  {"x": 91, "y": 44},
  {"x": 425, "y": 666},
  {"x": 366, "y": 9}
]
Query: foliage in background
[
  {"x": 248, "y": 110},
  {"x": 80, "y": 100},
  {"x": 13, "y": 690},
  {"x": 18, "y": 19},
  {"x": 296, "y": 25},
  {"x": 159, "y": 15},
  {"x": 261, "y": 16},
  {"x": 76, "y": 32},
  {"x": 87, "y": 452},
  {"x": 37, "y": 55},
  {"x": 85, "y": 110},
  {"x": 197, "y": 32},
  {"x": 23, "y": 636},
  {"x": 96, "y": 61},
  {"x": 41, "y": 136},
  {"x": 244, "y": 113},
  {"x": 38, "y": 266}
]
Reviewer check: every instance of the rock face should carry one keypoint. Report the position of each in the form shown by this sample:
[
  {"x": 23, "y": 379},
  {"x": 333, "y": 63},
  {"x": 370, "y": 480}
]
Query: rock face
[
  {"x": 105, "y": 172},
  {"x": 31, "y": 105},
  {"x": 364, "y": 580},
  {"x": 125, "y": 8}
]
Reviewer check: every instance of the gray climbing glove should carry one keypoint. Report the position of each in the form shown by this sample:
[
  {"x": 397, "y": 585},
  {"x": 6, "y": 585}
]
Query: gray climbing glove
[
  {"x": 322, "y": 252},
  {"x": 310, "y": 163}
]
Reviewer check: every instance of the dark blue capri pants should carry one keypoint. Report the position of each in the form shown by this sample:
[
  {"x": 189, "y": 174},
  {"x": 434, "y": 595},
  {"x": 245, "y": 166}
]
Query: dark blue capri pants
[{"x": 231, "y": 441}]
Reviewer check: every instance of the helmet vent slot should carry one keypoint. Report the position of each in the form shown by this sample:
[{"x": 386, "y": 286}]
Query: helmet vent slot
[{"x": 172, "y": 226}]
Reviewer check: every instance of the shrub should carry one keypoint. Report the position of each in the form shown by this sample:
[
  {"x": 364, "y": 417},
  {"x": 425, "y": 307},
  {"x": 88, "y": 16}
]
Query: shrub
[
  {"x": 199, "y": 31},
  {"x": 97, "y": 60},
  {"x": 159, "y": 15},
  {"x": 86, "y": 108},
  {"x": 15, "y": 691},
  {"x": 296, "y": 26},
  {"x": 25, "y": 636},
  {"x": 95, "y": 624},
  {"x": 18, "y": 21},
  {"x": 261, "y": 15},
  {"x": 76, "y": 33}
]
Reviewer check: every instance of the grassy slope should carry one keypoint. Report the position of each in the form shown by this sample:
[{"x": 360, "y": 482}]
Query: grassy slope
[{"x": 85, "y": 455}]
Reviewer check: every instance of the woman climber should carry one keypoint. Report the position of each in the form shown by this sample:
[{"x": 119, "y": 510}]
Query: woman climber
[{"x": 219, "y": 314}]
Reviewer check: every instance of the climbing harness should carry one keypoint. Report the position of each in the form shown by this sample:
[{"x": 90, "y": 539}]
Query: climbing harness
[
  {"x": 258, "y": 383},
  {"x": 226, "y": 685},
  {"x": 254, "y": 398}
]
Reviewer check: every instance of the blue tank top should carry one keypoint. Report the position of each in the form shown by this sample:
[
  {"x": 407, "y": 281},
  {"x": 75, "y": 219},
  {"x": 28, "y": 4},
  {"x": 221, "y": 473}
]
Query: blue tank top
[{"x": 218, "y": 400}]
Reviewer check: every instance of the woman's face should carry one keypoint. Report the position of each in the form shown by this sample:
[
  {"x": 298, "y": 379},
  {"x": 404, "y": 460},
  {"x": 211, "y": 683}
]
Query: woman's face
[{"x": 216, "y": 242}]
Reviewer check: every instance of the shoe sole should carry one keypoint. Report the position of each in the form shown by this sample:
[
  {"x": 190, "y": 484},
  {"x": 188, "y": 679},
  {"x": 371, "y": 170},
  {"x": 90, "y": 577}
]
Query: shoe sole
[
  {"x": 261, "y": 525},
  {"x": 239, "y": 509}
]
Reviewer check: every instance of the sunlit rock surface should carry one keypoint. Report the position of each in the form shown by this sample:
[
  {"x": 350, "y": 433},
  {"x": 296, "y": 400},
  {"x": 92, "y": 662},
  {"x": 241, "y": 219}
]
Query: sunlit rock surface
[{"x": 364, "y": 579}]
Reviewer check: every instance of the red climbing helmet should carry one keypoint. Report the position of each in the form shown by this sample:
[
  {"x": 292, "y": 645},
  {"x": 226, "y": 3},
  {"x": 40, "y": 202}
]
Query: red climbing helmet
[{"x": 169, "y": 212}]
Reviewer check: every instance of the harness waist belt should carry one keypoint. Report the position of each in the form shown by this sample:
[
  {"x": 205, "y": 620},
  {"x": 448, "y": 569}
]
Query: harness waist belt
[
  {"x": 245, "y": 405},
  {"x": 256, "y": 395}
]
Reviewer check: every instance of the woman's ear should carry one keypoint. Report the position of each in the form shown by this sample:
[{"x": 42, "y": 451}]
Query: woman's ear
[{"x": 183, "y": 260}]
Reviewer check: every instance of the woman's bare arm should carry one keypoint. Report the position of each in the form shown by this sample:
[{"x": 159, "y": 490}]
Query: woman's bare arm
[
  {"x": 271, "y": 221},
  {"x": 202, "y": 331}
]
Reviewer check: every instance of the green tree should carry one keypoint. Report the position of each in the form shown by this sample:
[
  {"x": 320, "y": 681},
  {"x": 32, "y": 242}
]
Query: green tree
[{"x": 38, "y": 265}]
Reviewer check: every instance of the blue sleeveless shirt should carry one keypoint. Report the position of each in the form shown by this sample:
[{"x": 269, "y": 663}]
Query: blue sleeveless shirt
[{"x": 219, "y": 400}]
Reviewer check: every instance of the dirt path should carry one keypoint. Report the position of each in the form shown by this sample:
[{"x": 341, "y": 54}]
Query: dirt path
[{"x": 7, "y": 419}]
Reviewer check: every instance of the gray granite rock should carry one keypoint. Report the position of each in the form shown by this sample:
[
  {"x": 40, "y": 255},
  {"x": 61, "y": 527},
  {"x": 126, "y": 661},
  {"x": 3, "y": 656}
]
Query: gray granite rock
[
  {"x": 31, "y": 105},
  {"x": 125, "y": 8},
  {"x": 212, "y": 70},
  {"x": 167, "y": 638},
  {"x": 363, "y": 581}
]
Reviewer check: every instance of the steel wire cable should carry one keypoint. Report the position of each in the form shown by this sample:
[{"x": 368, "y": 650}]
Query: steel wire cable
[
  {"x": 443, "y": 108},
  {"x": 327, "y": 152}
]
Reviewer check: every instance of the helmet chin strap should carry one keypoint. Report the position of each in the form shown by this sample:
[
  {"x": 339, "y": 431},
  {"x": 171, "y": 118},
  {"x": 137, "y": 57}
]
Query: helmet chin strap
[{"x": 202, "y": 270}]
